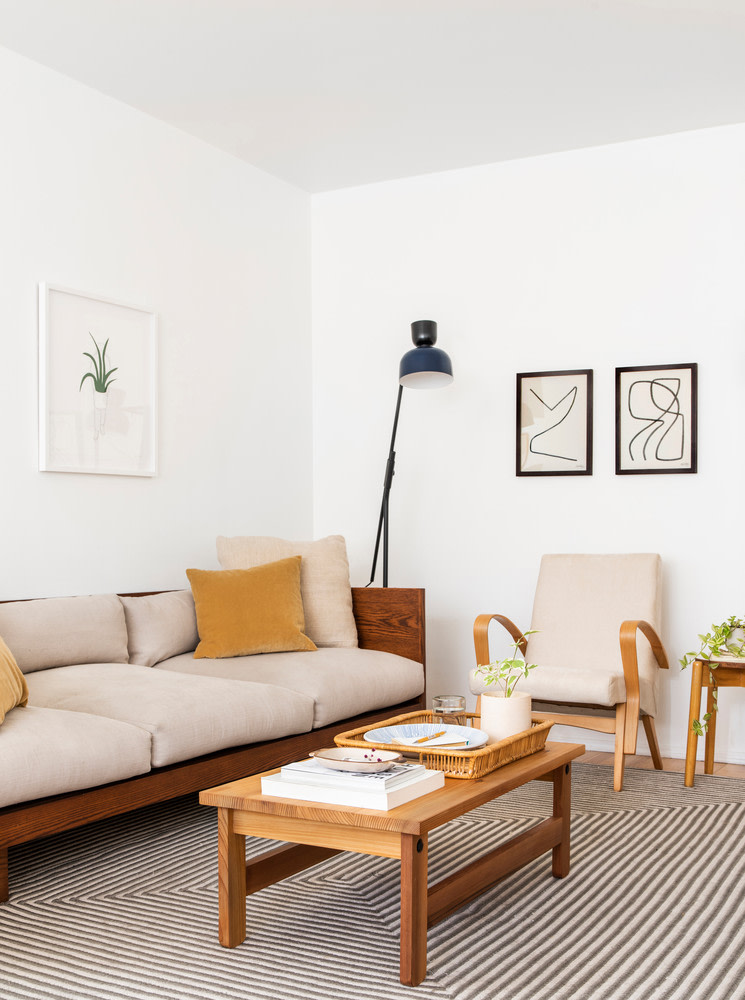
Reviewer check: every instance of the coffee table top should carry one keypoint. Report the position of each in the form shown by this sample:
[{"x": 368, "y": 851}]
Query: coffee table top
[{"x": 418, "y": 816}]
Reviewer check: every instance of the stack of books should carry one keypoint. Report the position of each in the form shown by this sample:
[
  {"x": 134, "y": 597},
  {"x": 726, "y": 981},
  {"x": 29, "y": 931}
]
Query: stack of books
[{"x": 310, "y": 780}]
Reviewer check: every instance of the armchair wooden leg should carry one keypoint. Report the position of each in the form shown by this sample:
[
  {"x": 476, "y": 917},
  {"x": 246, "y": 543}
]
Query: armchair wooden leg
[
  {"x": 654, "y": 747},
  {"x": 618, "y": 760}
]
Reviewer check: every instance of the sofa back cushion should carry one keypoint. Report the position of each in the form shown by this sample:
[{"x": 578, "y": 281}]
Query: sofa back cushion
[
  {"x": 245, "y": 611},
  {"x": 160, "y": 626},
  {"x": 324, "y": 580},
  {"x": 13, "y": 690},
  {"x": 58, "y": 631}
]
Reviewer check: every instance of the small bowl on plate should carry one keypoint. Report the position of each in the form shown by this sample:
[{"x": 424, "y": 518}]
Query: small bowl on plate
[{"x": 356, "y": 759}]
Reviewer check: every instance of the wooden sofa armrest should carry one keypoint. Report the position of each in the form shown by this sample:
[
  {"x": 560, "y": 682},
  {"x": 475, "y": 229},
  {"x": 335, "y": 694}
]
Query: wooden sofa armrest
[
  {"x": 629, "y": 659},
  {"x": 481, "y": 636},
  {"x": 391, "y": 619}
]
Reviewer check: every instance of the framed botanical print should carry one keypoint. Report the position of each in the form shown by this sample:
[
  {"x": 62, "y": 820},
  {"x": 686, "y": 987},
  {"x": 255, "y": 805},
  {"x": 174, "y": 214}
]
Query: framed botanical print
[
  {"x": 554, "y": 423},
  {"x": 656, "y": 416},
  {"x": 97, "y": 385}
]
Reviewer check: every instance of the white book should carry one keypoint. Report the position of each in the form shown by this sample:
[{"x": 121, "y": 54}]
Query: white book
[
  {"x": 362, "y": 798},
  {"x": 312, "y": 771}
]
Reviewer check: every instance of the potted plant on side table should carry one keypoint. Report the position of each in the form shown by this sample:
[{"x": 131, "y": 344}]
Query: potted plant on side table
[
  {"x": 726, "y": 639},
  {"x": 505, "y": 711}
]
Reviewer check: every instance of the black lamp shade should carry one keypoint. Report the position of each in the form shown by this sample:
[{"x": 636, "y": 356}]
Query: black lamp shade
[{"x": 426, "y": 367}]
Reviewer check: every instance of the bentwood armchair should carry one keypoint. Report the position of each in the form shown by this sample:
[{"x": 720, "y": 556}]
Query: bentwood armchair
[{"x": 588, "y": 612}]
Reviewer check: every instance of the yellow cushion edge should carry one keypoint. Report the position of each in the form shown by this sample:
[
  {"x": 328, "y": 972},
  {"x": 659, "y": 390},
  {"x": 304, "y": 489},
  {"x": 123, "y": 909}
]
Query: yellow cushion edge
[{"x": 13, "y": 687}]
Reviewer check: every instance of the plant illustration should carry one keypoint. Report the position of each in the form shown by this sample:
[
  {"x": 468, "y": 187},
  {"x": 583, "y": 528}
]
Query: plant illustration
[
  {"x": 725, "y": 639},
  {"x": 101, "y": 378},
  {"x": 506, "y": 673}
]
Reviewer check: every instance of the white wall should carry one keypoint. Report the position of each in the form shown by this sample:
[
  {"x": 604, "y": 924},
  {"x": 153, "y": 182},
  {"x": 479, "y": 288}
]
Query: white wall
[
  {"x": 630, "y": 254},
  {"x": 100, "y": 198}
]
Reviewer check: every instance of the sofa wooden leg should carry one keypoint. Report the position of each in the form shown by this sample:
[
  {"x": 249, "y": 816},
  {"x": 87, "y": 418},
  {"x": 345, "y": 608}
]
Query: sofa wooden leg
[
  {"x": 4, "y": 889},
  {"x": 618, "y": 760}
]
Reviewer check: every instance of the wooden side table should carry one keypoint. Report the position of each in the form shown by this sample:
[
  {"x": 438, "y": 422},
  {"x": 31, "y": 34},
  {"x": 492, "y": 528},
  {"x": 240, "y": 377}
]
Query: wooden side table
[{"x": 711, "y": 674}]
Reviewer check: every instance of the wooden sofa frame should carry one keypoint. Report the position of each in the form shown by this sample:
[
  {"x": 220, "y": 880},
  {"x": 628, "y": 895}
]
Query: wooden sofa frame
[{"x": 388, "y": 619}]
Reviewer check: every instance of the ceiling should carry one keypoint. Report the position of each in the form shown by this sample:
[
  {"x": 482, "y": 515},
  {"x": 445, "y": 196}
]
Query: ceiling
[{"x": 333, "y": 93}]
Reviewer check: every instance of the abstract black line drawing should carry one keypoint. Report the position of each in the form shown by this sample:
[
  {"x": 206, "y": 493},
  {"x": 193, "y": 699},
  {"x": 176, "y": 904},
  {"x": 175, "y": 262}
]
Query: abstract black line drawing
[
  {"x": 554, "y": 423},
  {"x": 656, "y": 419},
  {"x": 571, "y": 396},
  {"x": 644, "y": 396}
]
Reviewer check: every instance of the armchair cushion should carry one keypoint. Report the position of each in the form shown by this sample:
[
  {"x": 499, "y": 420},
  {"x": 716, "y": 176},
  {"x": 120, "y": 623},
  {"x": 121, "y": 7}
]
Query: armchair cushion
[{"x": 574, "y": 685}]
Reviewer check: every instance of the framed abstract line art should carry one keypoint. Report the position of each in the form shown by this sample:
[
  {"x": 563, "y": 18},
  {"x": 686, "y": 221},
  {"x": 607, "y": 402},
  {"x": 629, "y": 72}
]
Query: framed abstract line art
[
  {"x": 656, "y": 409},
  {"x": 554, "y": 423},
  {"x": 97, "y": 385}
]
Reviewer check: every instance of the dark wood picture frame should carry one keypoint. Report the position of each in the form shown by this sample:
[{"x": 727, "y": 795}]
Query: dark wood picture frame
[
  {"x": 554, "y": 423},
  {"x": 656, "y": 420}
]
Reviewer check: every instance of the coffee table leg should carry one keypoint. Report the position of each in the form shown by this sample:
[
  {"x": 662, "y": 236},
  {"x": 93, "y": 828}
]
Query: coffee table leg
[
  {"x": 562, "y": 778},
  {"x": 231, "y": 865},
  {"x": 413, "y": 909}
]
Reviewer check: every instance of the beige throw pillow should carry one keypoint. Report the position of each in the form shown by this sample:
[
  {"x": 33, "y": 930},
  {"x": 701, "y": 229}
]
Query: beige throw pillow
[
  {"x": 60, "y": 631},
  {"x": 160, "y": 626},
  {"x": 324, "y": 580}
]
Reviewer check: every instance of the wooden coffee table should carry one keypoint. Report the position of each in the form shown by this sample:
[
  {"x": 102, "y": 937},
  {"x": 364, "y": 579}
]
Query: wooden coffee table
[{"x": 314, "y": 831}]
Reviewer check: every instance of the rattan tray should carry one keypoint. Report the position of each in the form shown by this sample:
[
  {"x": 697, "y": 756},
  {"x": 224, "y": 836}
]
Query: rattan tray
[{"x": 456, "y": 763}]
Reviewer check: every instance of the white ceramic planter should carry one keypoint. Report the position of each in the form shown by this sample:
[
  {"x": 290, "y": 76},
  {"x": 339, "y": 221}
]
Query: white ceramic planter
[
  {"x": 502, "y": 717},
  {"x": 737, "y": 638}
]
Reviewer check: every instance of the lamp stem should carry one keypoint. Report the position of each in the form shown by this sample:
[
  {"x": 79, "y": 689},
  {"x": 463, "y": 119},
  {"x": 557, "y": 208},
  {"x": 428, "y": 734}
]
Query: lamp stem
[{"x": 383, "y": 520}]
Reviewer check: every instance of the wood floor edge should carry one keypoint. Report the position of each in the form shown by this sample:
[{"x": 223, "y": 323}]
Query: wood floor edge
[{"x": 675, "y": 764}]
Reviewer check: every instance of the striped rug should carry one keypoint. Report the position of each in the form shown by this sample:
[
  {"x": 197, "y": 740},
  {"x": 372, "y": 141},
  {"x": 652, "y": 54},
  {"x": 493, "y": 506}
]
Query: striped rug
[{"x": 654, "y": 909}]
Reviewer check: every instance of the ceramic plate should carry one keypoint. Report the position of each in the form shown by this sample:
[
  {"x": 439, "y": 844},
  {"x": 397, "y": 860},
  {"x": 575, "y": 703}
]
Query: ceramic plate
[
  {"x": 356, "y": 759},
  {"x": 459, "y": 737}
]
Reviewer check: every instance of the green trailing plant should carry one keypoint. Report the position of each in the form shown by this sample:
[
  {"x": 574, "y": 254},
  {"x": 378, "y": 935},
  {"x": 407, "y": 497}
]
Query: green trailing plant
[
  {"x": 723, "y": 640},
  {"x": 100, "y": 376},
  {"x": 506, "y": 673}
]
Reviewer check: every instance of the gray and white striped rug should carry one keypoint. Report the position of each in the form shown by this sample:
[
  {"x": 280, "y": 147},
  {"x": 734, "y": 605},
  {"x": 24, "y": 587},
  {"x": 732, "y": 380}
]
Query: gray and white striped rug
[{"x": 654, "y": 909}]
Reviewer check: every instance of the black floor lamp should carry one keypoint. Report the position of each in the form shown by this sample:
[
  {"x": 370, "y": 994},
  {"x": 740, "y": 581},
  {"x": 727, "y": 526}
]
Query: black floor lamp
[{"x": 425, "y": 367}]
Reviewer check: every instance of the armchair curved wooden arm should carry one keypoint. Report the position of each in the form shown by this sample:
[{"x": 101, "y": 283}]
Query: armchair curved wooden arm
[
  {"x": 629, "y": 659},
  {"x": 481, "y": 635}
]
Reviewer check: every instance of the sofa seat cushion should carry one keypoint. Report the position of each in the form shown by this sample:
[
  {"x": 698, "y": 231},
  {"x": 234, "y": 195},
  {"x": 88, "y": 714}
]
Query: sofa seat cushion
[
  {"x": 561, "y": 685},
  {"x": 45, "y": 751},
  {"x": 186, "y": 716},
  {"x": 342, "y": 682}
]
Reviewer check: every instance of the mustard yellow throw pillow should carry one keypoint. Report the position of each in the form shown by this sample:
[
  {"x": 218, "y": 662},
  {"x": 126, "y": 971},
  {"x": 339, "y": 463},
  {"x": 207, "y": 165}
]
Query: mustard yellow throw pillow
[
  {"x": 245, "y": 611},
  {"x": 13, "y": 690}
]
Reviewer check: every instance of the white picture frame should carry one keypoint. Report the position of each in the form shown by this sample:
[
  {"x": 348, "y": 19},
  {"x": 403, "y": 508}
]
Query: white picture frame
[{"x": 97, "y": 385}]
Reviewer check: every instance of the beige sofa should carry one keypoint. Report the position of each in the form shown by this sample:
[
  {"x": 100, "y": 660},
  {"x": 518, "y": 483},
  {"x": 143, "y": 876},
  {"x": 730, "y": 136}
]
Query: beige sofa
[{"x": 121, "y": 714}]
